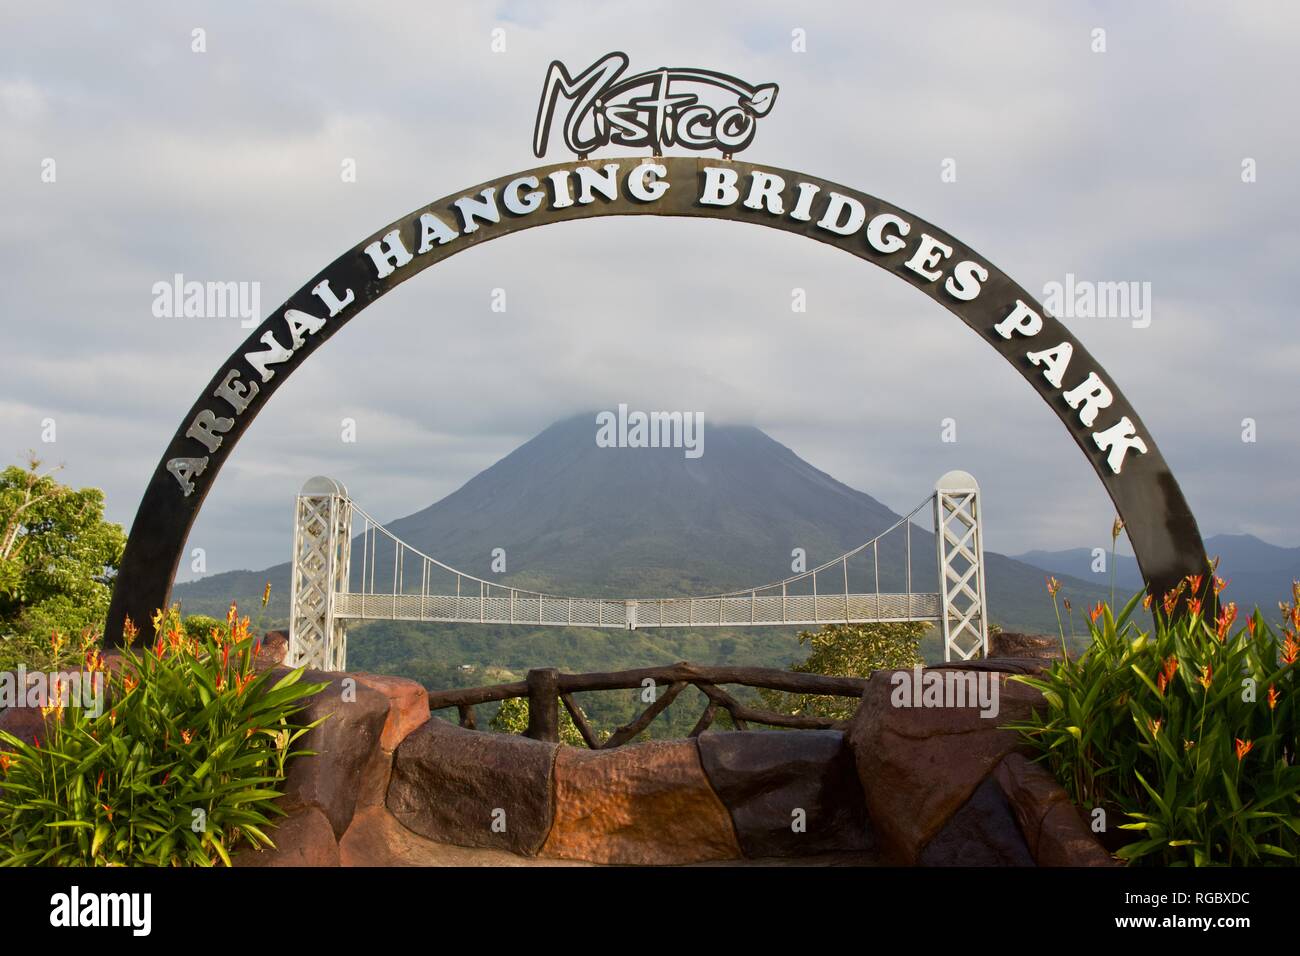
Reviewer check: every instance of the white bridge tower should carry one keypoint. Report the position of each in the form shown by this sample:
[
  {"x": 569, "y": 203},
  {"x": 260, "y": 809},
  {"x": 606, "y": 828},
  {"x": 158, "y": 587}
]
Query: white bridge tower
[{"x": 322, "y": 552}]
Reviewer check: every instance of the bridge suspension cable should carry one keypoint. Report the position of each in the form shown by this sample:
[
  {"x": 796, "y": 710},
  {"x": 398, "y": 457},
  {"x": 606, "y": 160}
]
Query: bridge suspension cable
[{"x": 327, "y": 593}]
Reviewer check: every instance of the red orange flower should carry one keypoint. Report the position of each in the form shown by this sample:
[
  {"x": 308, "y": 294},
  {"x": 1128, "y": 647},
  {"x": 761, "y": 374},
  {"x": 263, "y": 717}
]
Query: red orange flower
[
  {"x": 1273, "y": 696},
  {"x": 1096, "y": 611},
  {"x": 1227, "y": 615},
  {"x": 1171, "y": 668},
  {"x": 1243, "y": 747},
  {"x": 1207, "y": 677}
]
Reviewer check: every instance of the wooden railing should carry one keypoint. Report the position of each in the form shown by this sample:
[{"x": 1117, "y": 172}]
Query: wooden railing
[{"x": 546, "y": 688}]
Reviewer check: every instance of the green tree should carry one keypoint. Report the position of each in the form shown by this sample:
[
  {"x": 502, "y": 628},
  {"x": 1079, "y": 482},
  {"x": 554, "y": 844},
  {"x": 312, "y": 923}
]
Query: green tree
[
  {"x": 848, "y": 650},
  {"x": 57, "y": 560},
  {"x": 512, "y": 718}
]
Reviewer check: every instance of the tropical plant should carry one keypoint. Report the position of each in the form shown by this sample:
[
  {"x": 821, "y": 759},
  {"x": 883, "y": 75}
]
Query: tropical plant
[
  {"x": 848, "y": 650},
  {"x": 1186, "y": 731},
  {"x": 177, "y": 761}
]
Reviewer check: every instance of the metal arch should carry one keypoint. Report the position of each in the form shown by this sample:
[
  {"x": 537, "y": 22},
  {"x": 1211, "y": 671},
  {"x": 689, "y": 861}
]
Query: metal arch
[{"x": 1157, "y": 518}]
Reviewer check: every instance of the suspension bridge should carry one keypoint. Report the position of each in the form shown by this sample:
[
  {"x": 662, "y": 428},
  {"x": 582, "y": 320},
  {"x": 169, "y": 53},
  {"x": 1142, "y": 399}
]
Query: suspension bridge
[{"x": 390, "y": 580}]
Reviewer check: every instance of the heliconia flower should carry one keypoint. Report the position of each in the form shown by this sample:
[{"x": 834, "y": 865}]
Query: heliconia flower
[
  {"x": 1243, "y": 747},
  {"x": 5, "y": 762},
  {"x": 1146, "y": 603},
  {"x": 1053, "y": 586},
  {"x": 1171, "y": 600},
  {"x": 100, "y": 782},
  {"x": 1096, "y": 611},
  {"x": 1116, "y": 528},
  {"x": 108, "y": 810},
  {"x": 1273, "y": 697},
  {"x": 1206, "y": 677},
  {"x": 1290, "y": 648},
  {"x": 225, "y": 657},
  {"x": 159, "y": 648},
  {"x": 1171, "y": 668},
  {"x": 167, "y": 776},
  {"x": 266, "y": 594},
  {"x": 1194, "y": 606},
  {"x": 1219, "y": 585},
  {"x": 220, "y": 682},
  {"x": 187, "y": 735},
  {"x": 1154, "y": 725},
  {"x": 1194, "y": 582},
  {"x": 232, "y": 614},
  {"x": 1227, "y": 615},
  {"x": 1066, "y": 602},
  {"x": 129, "y": 630}
]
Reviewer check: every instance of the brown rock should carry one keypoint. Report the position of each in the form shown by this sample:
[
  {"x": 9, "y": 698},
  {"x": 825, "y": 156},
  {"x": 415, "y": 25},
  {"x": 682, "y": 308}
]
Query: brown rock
[
  {"x": 344, "y": 745},
  {"x": 918, "y": 765},
  {"x": 375, "y": 838},
  {"x": 1053, "y": 829},
  {"x": 303, "y": 838},
  {"x": 408, "y": 706},
  {"x": 473, "y": 788},
  {"x": 375, "y": 777},
  {"x": 25, "y": 723},
  {"x": 763, "y": 777},
  {"x": 271, "y": 651},
  {"x": 983, "y": 832},
  {"x": 647, "y": 803},
  {"x": 1010, "y": 644}
]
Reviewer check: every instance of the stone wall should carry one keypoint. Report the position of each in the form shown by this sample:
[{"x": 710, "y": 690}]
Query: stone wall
[{"x": 940, "y": 786}]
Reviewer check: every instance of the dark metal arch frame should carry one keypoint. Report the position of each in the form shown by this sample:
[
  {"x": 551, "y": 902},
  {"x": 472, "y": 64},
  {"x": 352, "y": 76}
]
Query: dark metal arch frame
[{"x": 1159, "y": 522}]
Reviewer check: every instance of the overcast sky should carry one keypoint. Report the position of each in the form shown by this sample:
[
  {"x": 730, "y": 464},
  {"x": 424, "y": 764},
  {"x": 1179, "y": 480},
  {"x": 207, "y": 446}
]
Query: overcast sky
[{"x": 1122, "y": 165}]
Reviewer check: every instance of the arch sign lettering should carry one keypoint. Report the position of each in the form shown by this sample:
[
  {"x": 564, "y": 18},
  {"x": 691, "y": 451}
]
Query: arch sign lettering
[{"x": 698, "y": 111}]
